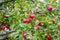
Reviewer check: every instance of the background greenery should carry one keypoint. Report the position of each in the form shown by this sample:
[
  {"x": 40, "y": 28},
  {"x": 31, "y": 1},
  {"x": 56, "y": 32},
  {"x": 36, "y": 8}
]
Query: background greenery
[{"x": 21, "y": 9}]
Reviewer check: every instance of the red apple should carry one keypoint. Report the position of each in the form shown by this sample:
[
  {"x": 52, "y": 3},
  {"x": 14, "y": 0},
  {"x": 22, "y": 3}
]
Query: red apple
[
  {"x": 48, "y": 37},
  {"x": 50, "y": 8},
  {"x": 32, "y": 15},
  {"x": 24, "y": 35},
  {"x": 28, "y": 20},
  {"x": 40, "y": 23},
  {"x": 53, "y": 20},
  {"x": 24, "y": 20},
  {"x": 5, "y": 15},
  {"x": 7, "y": 27},
  {"x": 2, "y": 28},
  {"x": 37, "y": 27}
]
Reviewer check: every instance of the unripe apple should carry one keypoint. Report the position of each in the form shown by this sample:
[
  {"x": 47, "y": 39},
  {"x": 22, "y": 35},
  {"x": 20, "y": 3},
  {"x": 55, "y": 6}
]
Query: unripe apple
[{"x": 50, "y": 8}]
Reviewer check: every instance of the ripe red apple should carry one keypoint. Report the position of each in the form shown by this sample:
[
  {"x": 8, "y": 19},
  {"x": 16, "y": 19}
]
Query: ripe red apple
[
  {"x": 53, "y": 20},
  {"x": 32, "y": 15},
  {"x": 6, "y": 26},
  {"x": 48, "y": 37},
  {"x": 5, "y": 15},
  {"x": 50, "y": 8},
  {"x": 24, "y": 20},
  {"x": 40, "y": 23},
  {"x": 28, "y": 20},
  {"x": 24, "y": 35},
  {"x": 2, "y": 28},
  {"x": 37, "y": 27}
]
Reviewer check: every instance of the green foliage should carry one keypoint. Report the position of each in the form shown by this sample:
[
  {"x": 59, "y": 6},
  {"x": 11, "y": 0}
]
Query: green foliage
[{"x": 22, "y": 9}]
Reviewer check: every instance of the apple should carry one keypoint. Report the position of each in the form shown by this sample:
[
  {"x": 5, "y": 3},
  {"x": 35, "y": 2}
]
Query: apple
[
  {"x": 53, "y": 20},
  {"x": 37, "y": 27},
  {"x": 5, "y": 15},
  {"x": 28, "y": 20},
  {"x": 50, "y": 8},
  {"x": 24, "y": 20},
  {"x": 32, "y": 15},
  {"x": 2, "y": 28},
  {"x": 24, "y": 35},
  {"x": 48, "y": 37},
  {"x": 40, "y": 23}
]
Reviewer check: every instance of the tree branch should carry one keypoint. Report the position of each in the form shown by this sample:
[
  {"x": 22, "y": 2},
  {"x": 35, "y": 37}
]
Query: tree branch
[{"x": 5, "y": 33}]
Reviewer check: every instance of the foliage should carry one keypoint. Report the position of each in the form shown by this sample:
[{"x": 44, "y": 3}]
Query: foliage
[{"x": 21, "y": 9}]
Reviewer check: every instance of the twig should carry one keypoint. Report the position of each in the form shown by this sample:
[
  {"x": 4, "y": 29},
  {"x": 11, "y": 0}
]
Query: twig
[{"x": 5, "y": 33}]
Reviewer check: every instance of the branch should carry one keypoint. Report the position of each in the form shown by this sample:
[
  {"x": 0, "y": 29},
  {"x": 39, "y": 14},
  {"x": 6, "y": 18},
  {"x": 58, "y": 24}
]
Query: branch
[
  {"x": 2, "y": 37},
  {"x": 5, "y": 33},
  {"x": 40, "y": 11}
]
